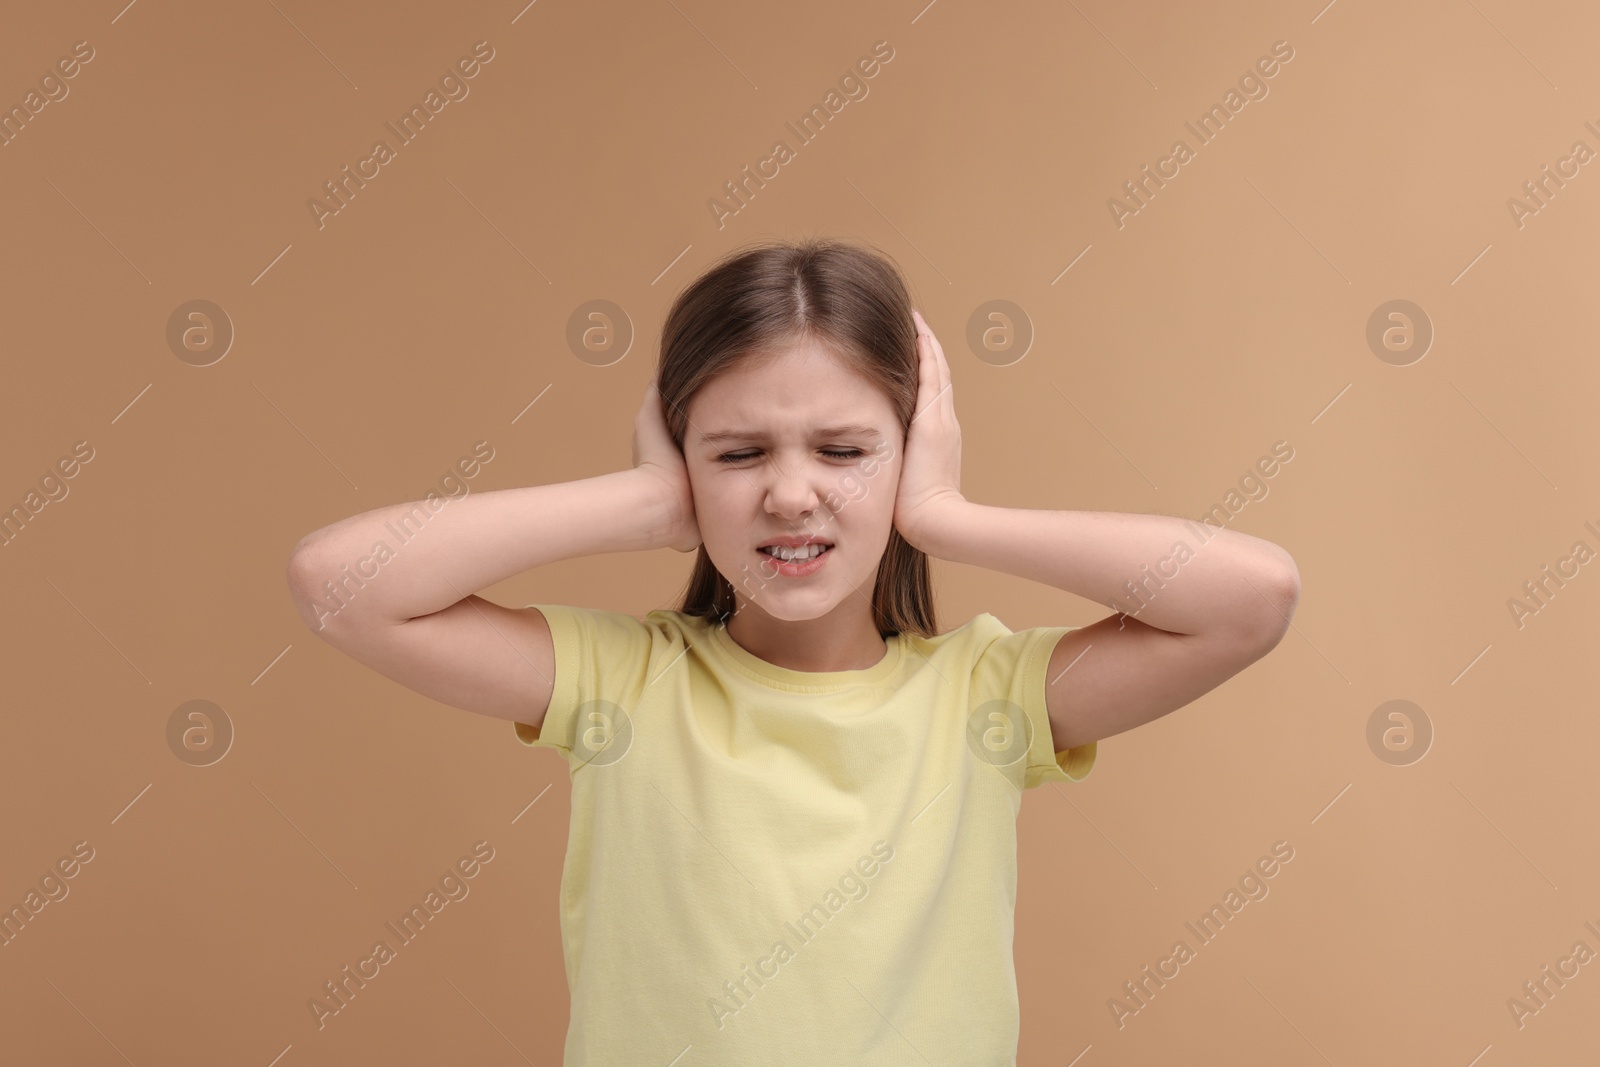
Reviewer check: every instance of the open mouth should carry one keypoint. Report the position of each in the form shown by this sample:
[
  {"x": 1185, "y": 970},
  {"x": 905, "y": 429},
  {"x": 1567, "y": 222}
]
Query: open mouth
[
  {"x": 795, "y": 555},
  {"x": 781, "y": 561}
]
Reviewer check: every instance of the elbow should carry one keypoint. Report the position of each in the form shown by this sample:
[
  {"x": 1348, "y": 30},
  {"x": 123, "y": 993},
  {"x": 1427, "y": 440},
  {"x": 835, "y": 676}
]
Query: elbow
[
  {"x": 299, "y": 568},
  {"x": 1280, "y": 589},
  {"x": 301, "y": 575}
]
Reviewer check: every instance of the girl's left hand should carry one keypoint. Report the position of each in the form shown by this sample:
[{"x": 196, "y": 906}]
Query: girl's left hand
[{"x": 930, "y": 470}]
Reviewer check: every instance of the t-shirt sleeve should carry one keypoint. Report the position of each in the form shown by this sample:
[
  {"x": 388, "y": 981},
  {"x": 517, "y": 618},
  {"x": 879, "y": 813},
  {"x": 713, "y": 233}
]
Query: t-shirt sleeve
[
  {"x": 1012, "y": 667},
  {"x": 602, "y": 661}
]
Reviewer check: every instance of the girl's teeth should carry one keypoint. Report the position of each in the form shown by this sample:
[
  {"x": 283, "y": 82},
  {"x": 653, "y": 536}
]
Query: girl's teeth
[{"x": 793, "y": 555}]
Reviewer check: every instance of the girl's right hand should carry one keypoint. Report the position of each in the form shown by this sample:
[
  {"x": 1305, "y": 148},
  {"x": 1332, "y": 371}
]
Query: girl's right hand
[{"x": 654, "y": 451}]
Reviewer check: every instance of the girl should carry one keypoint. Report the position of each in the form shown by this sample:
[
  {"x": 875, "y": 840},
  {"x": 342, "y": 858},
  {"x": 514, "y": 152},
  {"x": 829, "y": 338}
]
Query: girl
[{"x": 794, "y": 798}]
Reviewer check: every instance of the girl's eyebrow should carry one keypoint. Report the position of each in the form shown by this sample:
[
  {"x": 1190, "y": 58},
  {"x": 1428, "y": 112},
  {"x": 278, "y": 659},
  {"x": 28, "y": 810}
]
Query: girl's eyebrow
[{"x": 757, "y": 435}]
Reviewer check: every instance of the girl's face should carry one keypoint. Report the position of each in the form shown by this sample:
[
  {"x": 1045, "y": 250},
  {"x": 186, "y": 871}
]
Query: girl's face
[{"x": 795, "y": 445}]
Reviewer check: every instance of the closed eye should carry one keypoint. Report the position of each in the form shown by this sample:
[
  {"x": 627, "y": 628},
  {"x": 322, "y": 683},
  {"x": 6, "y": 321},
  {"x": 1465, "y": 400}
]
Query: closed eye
[{"x": 739, "y": 457}]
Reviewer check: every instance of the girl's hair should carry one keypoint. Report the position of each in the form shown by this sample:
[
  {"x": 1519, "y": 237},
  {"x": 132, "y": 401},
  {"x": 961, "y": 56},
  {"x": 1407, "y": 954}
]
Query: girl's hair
[{"x": 756, "y": 301}]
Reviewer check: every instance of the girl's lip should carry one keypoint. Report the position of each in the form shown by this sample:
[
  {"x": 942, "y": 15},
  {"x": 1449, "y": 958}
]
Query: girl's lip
[{"x": 795, "y": 570}]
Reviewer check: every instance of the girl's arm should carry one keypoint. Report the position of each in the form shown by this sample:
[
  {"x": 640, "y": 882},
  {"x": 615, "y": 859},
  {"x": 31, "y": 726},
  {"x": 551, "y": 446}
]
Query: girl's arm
[
  {"x": 469, "y": 543},
  {"x": 1197, "y": 611},
  {"x": 395, "y": 587},
  {"x": 1196, "y": 604},
  {"x": 1183, "y": 577}
]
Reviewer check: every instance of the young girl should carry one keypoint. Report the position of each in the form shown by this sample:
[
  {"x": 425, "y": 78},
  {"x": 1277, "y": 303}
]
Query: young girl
[{"x": 794, "y": 798}]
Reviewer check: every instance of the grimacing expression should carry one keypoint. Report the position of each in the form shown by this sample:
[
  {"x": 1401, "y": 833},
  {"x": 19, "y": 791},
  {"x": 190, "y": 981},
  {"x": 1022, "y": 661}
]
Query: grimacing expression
[{"x": 799, "y": 445}]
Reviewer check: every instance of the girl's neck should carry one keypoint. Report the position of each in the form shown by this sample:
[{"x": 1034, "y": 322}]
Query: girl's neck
[{"x": 831, "y": 642}]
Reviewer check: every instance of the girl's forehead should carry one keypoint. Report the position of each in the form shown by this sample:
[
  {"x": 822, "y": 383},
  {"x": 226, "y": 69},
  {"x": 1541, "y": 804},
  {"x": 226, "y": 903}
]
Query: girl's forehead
[
  {"x": 812, "y": 356},
  {"x": 793, "y": 393},
  {"x": 792, "y": 409}
]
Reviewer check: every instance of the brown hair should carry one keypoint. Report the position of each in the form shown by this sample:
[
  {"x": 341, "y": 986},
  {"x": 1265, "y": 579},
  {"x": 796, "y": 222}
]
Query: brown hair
[{"x": 757, "y": 300}]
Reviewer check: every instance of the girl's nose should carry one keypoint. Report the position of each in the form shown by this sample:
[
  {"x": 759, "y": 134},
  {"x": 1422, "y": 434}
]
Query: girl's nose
[{"x": 792, "y": 491}]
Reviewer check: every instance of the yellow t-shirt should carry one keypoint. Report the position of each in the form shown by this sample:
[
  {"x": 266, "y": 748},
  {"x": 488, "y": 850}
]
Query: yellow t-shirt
[{"x": 768, "y": 866}]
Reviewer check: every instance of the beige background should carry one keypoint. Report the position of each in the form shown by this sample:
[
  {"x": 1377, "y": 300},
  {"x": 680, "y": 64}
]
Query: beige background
[{"x": 371, "y": 353}]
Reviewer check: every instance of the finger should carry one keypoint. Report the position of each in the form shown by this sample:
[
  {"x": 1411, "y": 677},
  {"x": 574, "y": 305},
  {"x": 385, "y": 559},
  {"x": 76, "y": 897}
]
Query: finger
[
  {"x": 938, "y": 353},
  {"x": 939, "y": 372},
  {"x": 928, "y": 398},
  {"x": 927, "y": 370}
]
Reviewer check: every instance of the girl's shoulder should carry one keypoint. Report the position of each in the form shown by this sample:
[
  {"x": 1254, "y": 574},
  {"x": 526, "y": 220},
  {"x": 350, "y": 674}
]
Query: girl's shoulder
[{"x": 981, "y": 625}]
